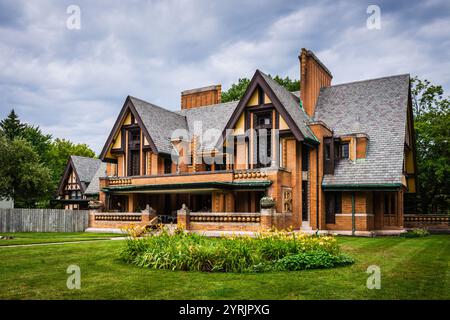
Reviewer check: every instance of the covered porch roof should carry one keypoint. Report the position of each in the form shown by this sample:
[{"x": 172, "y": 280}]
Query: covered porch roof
[{"x": 189, "y": 187}]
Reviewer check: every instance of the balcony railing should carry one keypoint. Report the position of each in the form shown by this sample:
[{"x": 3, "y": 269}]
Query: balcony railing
[
  {"x": 225, "y": 217},
  {"x": 249, "y": 174}
]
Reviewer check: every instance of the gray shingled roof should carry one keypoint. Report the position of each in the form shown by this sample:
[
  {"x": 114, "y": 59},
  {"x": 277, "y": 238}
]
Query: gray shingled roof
[
  {"x": 94, "y": 186},
  {"x": 292, "y": 105},
  {"x": 85, "y": 168},
  {"x": 211, "y": 117},
  {"x": 159, "y": 122},
  {"x": 378, "y": 108}
]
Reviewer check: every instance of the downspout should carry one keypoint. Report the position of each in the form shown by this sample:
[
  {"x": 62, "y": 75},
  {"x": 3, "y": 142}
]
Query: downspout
[
  {"x": 353, "y": 214},
  {"x": 317, "y": 188}
]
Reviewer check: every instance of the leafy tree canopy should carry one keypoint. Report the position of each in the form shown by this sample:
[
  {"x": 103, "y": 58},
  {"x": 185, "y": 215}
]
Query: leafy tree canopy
[
  {"x": 432, "y": 127},
  {"x": 52, "y": 155},
  {"x": 11, "y": 126},
  {"x": 237, "y": 90},
  {"x": 22, "y": 176}
]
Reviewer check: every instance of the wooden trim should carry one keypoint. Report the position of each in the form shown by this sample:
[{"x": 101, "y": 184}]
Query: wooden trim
[
  {"x": 69, "y": 166},
  {"x": 258, "y": 80},
  {"x": 128, "y": 105}
]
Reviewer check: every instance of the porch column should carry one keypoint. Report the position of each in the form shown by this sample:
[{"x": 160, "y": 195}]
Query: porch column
[{"x": 131, "y": 199}]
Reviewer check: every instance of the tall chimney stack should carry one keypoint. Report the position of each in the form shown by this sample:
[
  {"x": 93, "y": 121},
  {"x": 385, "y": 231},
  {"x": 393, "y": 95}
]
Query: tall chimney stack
[
  {"x": 201, "y": 97},
  {"x": 313, "y": 76}
]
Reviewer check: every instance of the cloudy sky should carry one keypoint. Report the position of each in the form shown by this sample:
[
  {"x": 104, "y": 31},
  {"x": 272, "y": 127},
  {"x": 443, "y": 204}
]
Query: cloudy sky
[{"x": 72, "y": 83}]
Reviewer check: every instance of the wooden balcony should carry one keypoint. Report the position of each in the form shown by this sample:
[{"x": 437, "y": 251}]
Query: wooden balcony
[{"x": 188, "y": 180}]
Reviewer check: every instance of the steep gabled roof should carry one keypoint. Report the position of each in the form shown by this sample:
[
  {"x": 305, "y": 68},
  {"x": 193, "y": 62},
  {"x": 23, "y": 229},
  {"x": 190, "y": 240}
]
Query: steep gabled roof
[
  {"x": 159, "y": 122},
  {"x": 292, "y": 106},
  {"x": 213, "y": 116},
  {"x": 378, "y": 108},
  {"x": 94, "y": 186},
  {"x": 286, "y": 103},
  {"x": 84, "y": 169}
]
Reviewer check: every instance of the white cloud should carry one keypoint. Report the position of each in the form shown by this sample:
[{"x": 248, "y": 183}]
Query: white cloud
[{"x": 73, "y": 83}]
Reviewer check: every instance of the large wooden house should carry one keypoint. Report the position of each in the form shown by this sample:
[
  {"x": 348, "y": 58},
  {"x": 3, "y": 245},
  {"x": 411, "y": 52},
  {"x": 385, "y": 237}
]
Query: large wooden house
[{"x": 338, "y": 158}]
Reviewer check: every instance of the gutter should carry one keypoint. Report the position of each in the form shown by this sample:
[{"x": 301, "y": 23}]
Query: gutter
[
  {"x": 353, "y": 214},
  {"x": 317, "y": 188},
  {"x": 362, "y": 187}
]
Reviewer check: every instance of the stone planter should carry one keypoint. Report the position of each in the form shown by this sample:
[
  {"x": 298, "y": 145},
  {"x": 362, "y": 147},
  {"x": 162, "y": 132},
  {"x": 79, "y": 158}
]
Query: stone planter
[
  {"x": 267, "y": 203},
  {"x": 95, "y": 205}
]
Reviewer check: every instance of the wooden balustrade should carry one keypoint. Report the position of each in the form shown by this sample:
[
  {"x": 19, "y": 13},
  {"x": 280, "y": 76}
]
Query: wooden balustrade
[
  {"x": 427, "y": 219},
  {"x": 230, "y": 217},
  {"x": 249, "y": 174},
  {"x": 119, "y": 181},
  {"x": 117, "y": 217}
]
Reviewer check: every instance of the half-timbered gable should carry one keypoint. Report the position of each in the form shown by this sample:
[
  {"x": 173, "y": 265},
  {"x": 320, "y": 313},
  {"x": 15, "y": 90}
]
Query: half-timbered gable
[{"x": 75, "y": 188}]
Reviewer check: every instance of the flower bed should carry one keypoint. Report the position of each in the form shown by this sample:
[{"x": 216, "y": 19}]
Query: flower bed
[{"x": 271, "y": 251}]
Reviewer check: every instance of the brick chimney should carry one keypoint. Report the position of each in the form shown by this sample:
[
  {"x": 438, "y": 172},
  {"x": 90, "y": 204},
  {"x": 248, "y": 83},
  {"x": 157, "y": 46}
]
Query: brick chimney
[
  {"x": 313, "y": 76},
  {"x": 201, "y": 97}
]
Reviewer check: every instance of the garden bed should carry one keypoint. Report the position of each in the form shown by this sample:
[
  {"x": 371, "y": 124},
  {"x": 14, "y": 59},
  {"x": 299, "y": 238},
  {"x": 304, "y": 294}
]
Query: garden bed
[{"x": 269, "y": 251}]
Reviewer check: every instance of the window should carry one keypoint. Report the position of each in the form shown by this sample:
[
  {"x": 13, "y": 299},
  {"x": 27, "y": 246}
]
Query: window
[
  {"x": 327, "y": 151},
  {"x": 333, "y": 205},
  {"x": 167, "y": 165},
  {"x": 345, "y": 150},
  {"x": 134, "y": 144},
  {"x": 305, "y": 158},
  {"x": 263, "y": 126},
  {"x": 328, "y": 154},
  {"x": 389, "y": 203},
  {"x": 221, "y": 166}
]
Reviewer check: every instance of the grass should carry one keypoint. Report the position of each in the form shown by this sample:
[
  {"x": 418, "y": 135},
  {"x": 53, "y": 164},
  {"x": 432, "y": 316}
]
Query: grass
[
  {"x": 410, "y": 269},
  {"x": 49, "y": 237}
]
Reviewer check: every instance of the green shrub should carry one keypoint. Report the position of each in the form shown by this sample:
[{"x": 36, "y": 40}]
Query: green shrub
[
  {"x": 415, "y": 233},
  {"x": 313, "y": 260},
  {"x": 193, "y": 252}
]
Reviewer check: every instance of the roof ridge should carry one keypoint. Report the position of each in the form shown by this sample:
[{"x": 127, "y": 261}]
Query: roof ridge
[
  {"x": 207, "y": 106},
  {"x": 84, "y": 157},
  {"x": 367, "y": 80},
  {"x": 154, "y": 105}
]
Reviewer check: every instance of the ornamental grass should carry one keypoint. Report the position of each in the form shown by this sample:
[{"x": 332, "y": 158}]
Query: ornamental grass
[{"x": 267, "y": 251}]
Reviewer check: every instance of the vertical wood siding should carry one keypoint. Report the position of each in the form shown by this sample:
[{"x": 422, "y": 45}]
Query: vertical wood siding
[{"x": 43, "y": 220}]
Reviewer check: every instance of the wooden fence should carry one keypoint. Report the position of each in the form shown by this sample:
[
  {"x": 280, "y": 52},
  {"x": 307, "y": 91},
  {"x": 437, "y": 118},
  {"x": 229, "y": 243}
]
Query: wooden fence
[{"x": 43, "y": 220}]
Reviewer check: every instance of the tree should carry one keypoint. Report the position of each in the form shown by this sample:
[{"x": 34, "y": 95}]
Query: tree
[
  {"x": 288, "y": 83},
  {"x": 51, "y": 154},
  {"x": 22, "y": 176},
  {"x": 41, "y": 143},
  {"x": 11, "y": 126},
  {"x": 432, "y": 127},
  {"x": 237, "y": 90},
  {"x": 60, "y": 151}
]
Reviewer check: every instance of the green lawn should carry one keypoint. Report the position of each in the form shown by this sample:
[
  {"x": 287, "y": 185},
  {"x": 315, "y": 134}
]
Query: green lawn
[
  {"x": 48, "y": 237},
  {"x": 410, "y": 269}
]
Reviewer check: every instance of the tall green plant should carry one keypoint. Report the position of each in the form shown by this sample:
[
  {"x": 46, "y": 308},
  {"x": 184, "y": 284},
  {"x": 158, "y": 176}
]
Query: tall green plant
[{"x": 432, "y": 127}]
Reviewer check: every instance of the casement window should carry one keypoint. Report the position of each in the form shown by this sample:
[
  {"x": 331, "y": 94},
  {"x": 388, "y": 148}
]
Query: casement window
[
  {"x": 305, "y": 158},
  {"x": 134, "y": 155},
  {"x": 328, "y": 151},
  {"x": 390, "y": 203},
  {"x": 221, "y": 166},
  {"x": 167, "y": 165},
  {"x": 333, "y": 205},
  {"x": 345, "y": 153},
  {"x": 264, "y": 145},
  {"x": 75, "y": 195}
]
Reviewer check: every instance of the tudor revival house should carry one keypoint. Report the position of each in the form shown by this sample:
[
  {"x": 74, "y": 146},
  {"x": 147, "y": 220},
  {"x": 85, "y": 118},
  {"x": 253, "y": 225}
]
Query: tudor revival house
[
  {"x": 334, "y": 157},
  {"x": 80, "y": 182}
]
